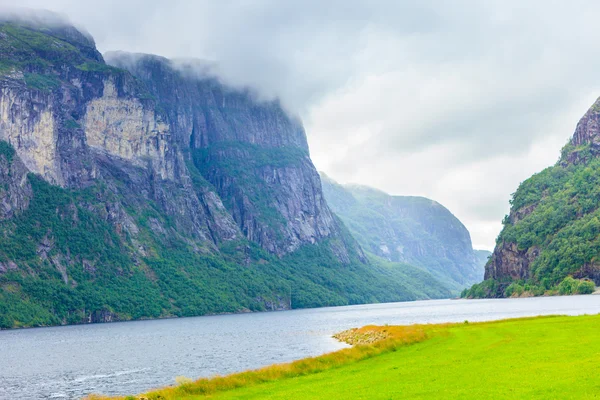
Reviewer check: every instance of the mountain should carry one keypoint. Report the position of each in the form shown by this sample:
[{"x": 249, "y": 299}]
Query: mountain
[
  {"x": 482, "y": 257},
  {"x": 142, "y": 188},
  {"x": 550, "y": 239},
  {"x": 408, "y": 229}
]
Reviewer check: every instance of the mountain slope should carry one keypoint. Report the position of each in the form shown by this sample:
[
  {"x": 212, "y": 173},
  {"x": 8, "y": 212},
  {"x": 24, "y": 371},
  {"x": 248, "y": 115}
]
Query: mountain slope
[
  {"x": 407, "y": 229},
  {"x": 552, "y": 231},
  {"x": 151, "y": 192},
  {"x": 482, "y": 257}
]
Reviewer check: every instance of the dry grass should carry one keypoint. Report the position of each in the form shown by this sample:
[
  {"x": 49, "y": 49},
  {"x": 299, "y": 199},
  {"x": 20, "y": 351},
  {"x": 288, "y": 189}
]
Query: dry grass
[{"x": 368, "y": 342}]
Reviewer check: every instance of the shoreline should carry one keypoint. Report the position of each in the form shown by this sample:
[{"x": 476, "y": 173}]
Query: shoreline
[
  {"x": 368, "y": 343},
  {"x": 597, "y": 292},
  {"x": 242, "y": 312},
  {"x": 248, "y": 312}
]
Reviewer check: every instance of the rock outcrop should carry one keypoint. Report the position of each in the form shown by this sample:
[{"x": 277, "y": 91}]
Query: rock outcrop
[
  {"x": 509, "y": 261},
  {"x": 587, "y": 131}
]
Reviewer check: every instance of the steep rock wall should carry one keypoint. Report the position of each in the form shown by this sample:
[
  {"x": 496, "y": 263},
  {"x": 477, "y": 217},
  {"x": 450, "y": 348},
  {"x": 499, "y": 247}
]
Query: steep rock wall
[
  {"x": 27, "y": 121},
  {"x": 222, "y": 163},
  {"x": 251, "y": 151},
  {"x": 123, "y": 127}
]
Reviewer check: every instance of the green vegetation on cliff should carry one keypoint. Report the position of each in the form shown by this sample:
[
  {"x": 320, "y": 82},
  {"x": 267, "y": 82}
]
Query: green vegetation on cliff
[
  {"x": 224, "y": 158},
  {"x": 523, "y": 288},
  {"x": 550, "y": 241},
  {"x": 7, "y": 151},
  {"x": 26, "y": 48},
  {"x": 532, "y": 358},
  {"x": 72, "y": 266},
  {"x": 555, "y": 225},
  {"x": 564, "y": 200}
]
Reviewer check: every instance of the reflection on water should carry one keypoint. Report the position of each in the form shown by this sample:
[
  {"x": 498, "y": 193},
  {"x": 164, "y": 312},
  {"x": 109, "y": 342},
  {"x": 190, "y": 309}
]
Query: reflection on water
[{"x": 132, "y": 357}]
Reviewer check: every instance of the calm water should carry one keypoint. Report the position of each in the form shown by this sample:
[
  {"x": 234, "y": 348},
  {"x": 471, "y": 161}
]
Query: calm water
[{"x": 131, "y": 357}]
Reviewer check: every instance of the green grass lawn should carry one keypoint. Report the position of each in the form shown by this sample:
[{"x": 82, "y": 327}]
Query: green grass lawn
[{"x": 541, "y": 358}]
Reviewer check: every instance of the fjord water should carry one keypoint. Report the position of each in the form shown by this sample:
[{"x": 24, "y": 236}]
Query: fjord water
[{"x": 131, "y": 357}]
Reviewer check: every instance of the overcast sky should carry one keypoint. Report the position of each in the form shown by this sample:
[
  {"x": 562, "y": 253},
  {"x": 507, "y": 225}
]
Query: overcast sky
[{"x": 458, "y": 101}]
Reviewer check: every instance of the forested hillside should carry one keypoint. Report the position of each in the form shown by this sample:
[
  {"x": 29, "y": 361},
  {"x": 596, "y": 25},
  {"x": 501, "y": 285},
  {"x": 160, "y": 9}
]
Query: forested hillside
[{"x": 550, "y": 241}]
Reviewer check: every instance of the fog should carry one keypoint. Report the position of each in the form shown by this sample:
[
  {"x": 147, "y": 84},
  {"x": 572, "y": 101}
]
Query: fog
[{"x": 457, "y": 101}]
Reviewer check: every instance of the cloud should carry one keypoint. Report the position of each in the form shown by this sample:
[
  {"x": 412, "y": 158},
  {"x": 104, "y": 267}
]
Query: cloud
[{"x": 458, "y": 101}]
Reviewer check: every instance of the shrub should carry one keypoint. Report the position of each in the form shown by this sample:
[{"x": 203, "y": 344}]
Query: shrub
[
  {"x": 486, "y": 289},
  {"x": 514, "y": 290},
  {"x": 538, "y": 290},
  {"x": 586, "y": 287},
  {"x": 568, "y": 286}
]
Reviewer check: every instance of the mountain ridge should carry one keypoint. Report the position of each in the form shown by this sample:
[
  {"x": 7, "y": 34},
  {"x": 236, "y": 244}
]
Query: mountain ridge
[
  {"x": 410, "y": 229},
  {"x": 146, "y": 193}
]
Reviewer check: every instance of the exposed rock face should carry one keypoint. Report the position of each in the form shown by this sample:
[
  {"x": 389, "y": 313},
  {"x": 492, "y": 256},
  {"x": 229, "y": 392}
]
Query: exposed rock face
[
  {"x": 244, "y": 148},
  {"x": 589, "y": 270},
  {"x": 588, "y": 128},
  {"x": 508, "y": 261},
  {"x": 124, "y": 128},
  {"x": 27, "y": 121},
  {"x": 102, "y": 122},
  {"x": 407, "y": 229},
  {"x": 204, "y": 111}
]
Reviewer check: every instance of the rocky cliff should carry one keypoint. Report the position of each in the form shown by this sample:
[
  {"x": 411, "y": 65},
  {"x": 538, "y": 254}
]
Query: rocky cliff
[
  {"x": 84, "y": 115},
  {"x": 407, "y": 229},
  {"x": 245, "y": 149},
  {"x": 552, "y": 229},
  {"x": 141, "y": 188}
]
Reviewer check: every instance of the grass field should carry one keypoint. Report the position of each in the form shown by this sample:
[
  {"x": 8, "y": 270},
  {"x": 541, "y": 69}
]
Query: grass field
[{"x": 541, "y": 358}]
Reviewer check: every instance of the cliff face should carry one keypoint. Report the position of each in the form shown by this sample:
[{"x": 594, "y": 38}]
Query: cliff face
[
  {"x": 246, "y": 149},
  {"x": 412, "y": 230},
  {"x": 587, "y": 131},
  {"x": 552, "y": 229},
  {"x": 144, "y": 189},
  {"x": 76, "y": 123},
  {"x": 16, "y": 191}
]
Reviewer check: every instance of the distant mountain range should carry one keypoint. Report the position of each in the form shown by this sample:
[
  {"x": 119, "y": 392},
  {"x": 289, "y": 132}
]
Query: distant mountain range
[{"x": 407, "y": 229}]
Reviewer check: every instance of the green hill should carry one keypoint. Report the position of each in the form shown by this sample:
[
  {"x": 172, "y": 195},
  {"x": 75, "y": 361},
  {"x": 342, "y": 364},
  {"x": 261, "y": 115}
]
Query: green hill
[{"x": 553, "y": 230}]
